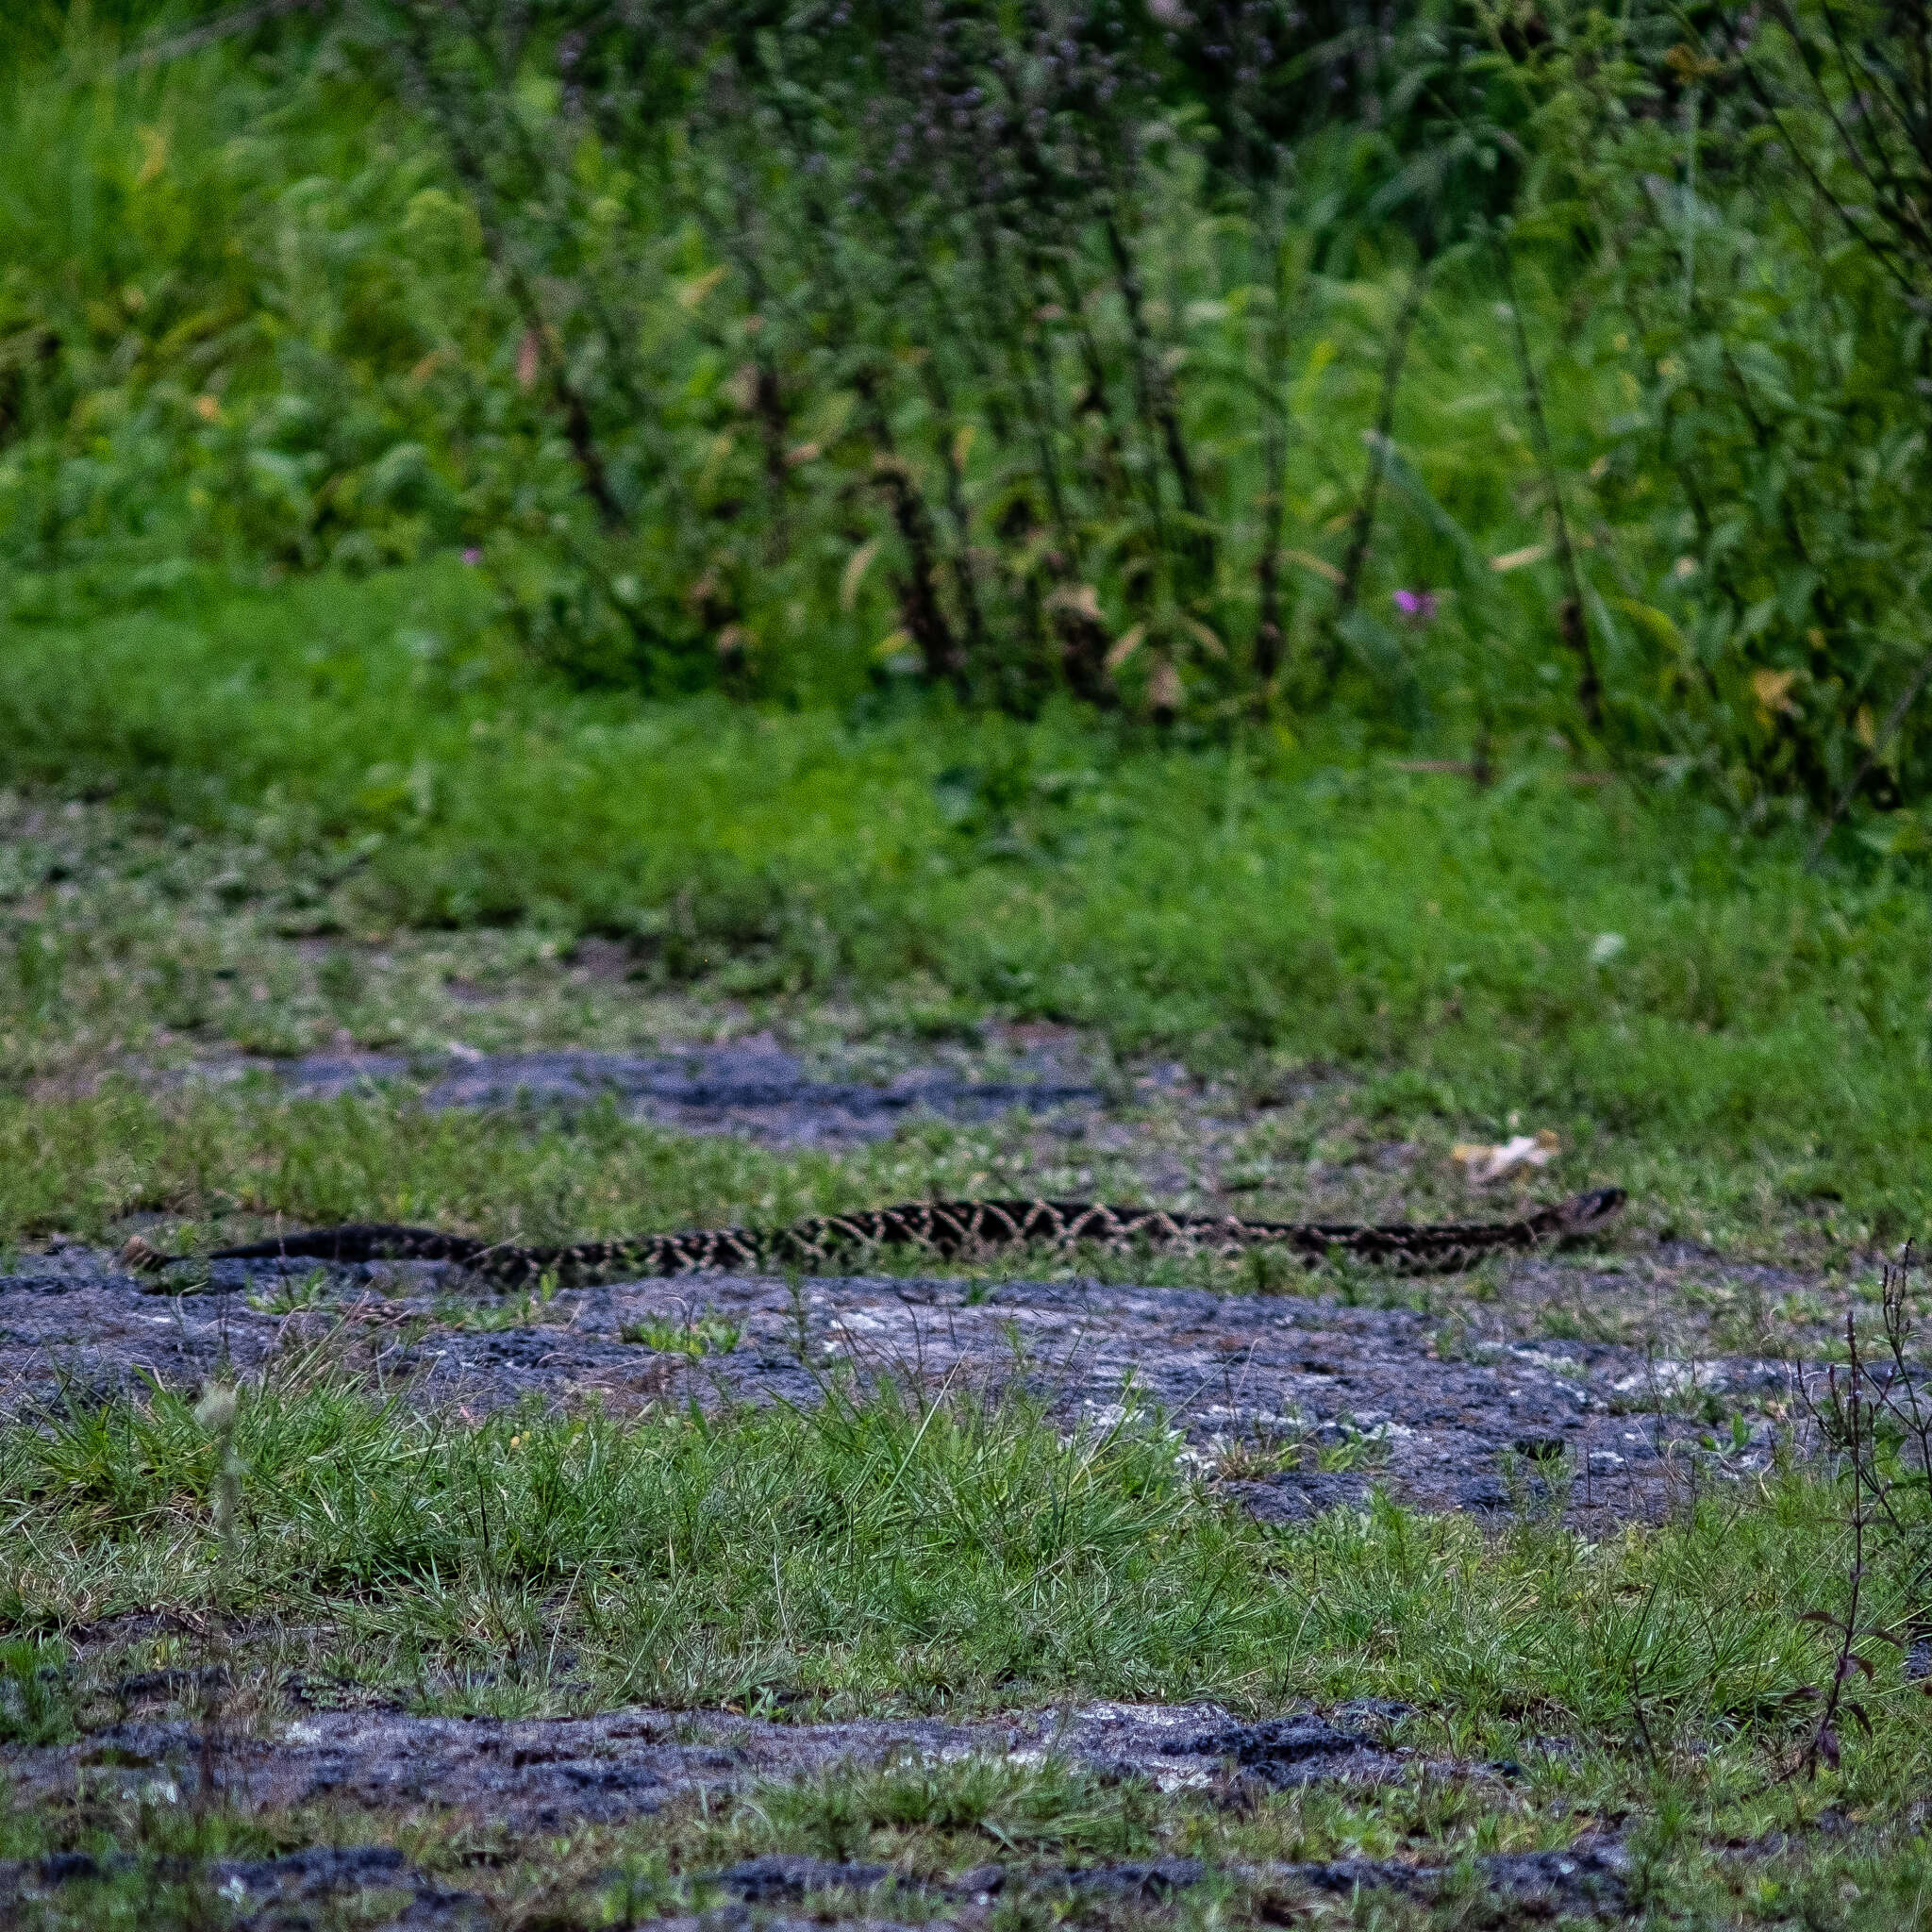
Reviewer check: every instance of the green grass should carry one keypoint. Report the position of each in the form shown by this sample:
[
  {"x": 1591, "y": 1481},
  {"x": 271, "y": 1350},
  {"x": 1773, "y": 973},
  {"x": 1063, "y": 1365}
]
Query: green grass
[
  {"x": 340, "y": 814},
  {"x": 868, "y": 1557},
  {"x": 1697, "y": 1014},
  {"x": 344, "y": 811}
]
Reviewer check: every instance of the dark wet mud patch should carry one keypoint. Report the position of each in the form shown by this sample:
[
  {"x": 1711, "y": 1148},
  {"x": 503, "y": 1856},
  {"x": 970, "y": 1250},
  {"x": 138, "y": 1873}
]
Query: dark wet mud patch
[
  {"x": 753, "y": 1088},
  {"x": 376, "y": 1883},
  {"x": 544, "y": 1775},
  {"x": 1588, "y": 1879},
  {"x": 529, "y": 1784},
  {"x": 1297, "y": 1405}
]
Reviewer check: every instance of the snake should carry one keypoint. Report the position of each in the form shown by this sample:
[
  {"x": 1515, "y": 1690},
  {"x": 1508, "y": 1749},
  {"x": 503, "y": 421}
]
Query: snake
[{"x": 946, "y": 1230}]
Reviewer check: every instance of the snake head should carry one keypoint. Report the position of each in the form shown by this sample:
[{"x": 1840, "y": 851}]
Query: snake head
[{"x": 1582, "y": 1213}]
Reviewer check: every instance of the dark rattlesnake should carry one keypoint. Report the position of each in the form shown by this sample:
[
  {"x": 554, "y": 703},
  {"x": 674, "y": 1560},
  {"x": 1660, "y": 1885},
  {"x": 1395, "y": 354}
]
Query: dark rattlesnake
[{"x": 945, "y": 1229}]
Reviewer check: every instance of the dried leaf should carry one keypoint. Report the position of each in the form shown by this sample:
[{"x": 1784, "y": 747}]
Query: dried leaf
[
  {"x": 693, "y": 291},
  {"x": 1164, "y": 688},
  {"x": 1205, "y": 637},
  {"x": 855, "y": 567},
  {"x": 1125, "y": 646},
  {"x": 1516, "y": 560},
  {"x": 529, "y": 357},
  {"x": 1483, "y": 1163},
  {"x": 962, "y": 444},
  {"x": 1320, "y": 565},
  {"x": 1773, "y": 690},
  {"x": 1688, "y": 64},
  {"x": 1082, "y": 598}
]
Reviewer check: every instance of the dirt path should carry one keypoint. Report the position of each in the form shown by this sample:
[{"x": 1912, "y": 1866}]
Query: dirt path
[
  {"x": 1300, "y": 1402},
  {"x": 548, "y": 1776},
  {"x": 544, "y": 1775},
  {"x": 753, "y": 1088}
]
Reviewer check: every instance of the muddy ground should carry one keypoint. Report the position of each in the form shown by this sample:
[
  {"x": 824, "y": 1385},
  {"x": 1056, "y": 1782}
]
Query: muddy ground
[
  {"x": 551, "y": 1775},
  {"x": 1451, "y": 1395},
  {"x": 1456, "y": 1395},
  {"x": 545, "y": 1774},
  {"x": 375, "y": 1886},
  {"x": 1443, "y": 1414},
  {"x": 753, "y": 1087}
]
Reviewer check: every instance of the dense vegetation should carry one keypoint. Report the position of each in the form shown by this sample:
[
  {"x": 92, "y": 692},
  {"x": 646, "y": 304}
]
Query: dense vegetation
[
  {"x": 1372, "y": 549},
  {"x": 1475, "y": 372}
]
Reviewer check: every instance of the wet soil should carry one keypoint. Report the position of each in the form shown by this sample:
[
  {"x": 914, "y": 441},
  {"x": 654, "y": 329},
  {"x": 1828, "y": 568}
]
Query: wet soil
[
  {"x": 1299, "y": 1403},
  {"x": 753, "y": 1088},
  {"x": 1591, "y": 1879},
  {"x": 543, "y": 1775},
  {"x": 551, "y": 1775},
  {"x": 376, "y": 1882}
]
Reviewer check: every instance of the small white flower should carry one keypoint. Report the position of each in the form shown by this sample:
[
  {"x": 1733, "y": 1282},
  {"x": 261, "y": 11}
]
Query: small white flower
[{"x": 1606, "y": 947}]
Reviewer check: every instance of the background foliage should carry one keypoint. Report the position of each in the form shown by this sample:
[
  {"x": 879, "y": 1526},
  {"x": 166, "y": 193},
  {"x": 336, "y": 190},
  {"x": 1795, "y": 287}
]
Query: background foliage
[{"x": 1482, "y": 371}]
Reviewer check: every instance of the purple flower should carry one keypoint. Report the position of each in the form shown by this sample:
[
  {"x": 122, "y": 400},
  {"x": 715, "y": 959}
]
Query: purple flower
[
  {"x": 473, "y": 557},
  {"x": 1418, "y": 607}
]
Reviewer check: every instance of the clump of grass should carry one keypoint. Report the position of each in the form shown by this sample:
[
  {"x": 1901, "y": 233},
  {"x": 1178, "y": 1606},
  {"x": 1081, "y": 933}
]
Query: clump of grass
[
  {"x": 707, "y": 1335},
  {"x": 34, "y": 1705},
  {"x": 957, "y": 1555},
  {"x": 877, "y": 1556},
  {"x": 1052, "y": 1809}
]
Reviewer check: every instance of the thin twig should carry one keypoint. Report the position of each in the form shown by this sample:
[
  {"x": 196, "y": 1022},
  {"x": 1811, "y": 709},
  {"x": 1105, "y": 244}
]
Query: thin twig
[
  {"x": 1364, "y": 525},
  {"x": 1895, "y": 718},
  {"x": 207, "y": 35},
  {"x": 1574, "y": 622}
]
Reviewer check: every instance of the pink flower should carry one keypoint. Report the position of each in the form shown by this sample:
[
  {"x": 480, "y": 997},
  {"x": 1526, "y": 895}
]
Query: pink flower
[
  {"x": 473, "y": 557},
  {"x": 1418, "y": 607}
]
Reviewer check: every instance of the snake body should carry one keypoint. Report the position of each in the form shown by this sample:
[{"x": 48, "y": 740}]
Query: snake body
[{"x": 945, "y": 1229}]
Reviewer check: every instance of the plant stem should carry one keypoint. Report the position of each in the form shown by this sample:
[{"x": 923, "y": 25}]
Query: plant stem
[
  {"x": 1361, "y": 527},
  {"x": 1572, "y": 620}
]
